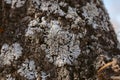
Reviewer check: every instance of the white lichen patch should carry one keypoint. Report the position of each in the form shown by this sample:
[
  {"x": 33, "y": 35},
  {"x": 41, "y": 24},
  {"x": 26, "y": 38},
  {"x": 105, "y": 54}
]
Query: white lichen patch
[
  {"x": 28, "y": 69},
  {"x": 44, "y": 75},
  {"x": 90, "y": 11},
  {"x": 63, "y": 4},
  {"x": 63, "y": 48},
  {"x": 93, "y": 37},
  {"x": 55, "y": 28},
  {"x": 32, "y": 32},
  {"x": 71, "y": 13},
  {"x": 8, "y": 1},
  {"x": 54, "y": 7},
  {"x": 33, "y": 22},
  {"x": 15, "y": 3},
  {"x": 10, "y": 53},
  {"x": 44, "y": 22},
  {"x": 51, "y": 7},
  {"x": 95, "y": 25},
  {"x": 9, "y": 77},
  {"x": 33, "y": 29}
]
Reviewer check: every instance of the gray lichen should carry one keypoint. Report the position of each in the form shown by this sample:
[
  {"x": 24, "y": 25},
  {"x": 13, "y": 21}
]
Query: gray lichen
[
  {"x": 15, "y": 3},
  {"x": 33, "y": 29},
  {"x": 90, "y": 11},
  {"x": 10, "y": 53},
  {"x": 44, "y": 75},
  {"x": 8, "y": 77},
  {"x": 61, "y": 39},
  {"x": 28, "y": 69},
  {"x": 62, "y": 46},
  {"x": 51, "y": 7}
]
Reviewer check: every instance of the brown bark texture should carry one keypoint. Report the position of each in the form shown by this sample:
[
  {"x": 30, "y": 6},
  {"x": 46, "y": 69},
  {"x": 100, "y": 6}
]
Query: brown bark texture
[{"x": 57, "y": 40}]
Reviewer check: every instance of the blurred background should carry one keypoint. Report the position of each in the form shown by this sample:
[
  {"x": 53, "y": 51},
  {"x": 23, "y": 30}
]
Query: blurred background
[{"x": 113, "y": 8}]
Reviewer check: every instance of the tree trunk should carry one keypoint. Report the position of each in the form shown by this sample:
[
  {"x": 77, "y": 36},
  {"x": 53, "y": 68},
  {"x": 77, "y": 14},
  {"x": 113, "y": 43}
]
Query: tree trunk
[{"x": 57, "y": 40}]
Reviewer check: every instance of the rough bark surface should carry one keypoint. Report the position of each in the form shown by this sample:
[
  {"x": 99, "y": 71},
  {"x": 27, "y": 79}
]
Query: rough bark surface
[{"x": 57, "y": 40}]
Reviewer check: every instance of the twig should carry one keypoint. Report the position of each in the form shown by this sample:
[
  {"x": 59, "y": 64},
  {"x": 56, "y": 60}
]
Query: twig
[
  {"x": 115, "y": 77},
  {"x": 105, "y": 66},
  {"x": 112, "y": 63}
]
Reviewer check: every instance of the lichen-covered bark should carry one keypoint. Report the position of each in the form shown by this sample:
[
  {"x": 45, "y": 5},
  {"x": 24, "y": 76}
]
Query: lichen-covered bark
[{"x": 57, "y": 40}]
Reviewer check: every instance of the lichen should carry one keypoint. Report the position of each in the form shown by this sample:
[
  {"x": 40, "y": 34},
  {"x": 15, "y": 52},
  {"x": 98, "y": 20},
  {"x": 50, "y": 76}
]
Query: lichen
[
  {"x": 63, "y": 48},
  {"x": 58, "y": 43},
  {"x": 33, "y": 29},
  {"x": 15, "y": 3},
  {"x": 8, "y": 1},
  {"x": 8, "y": 77},
  {"x": 63, "y": 4},
  {"x": 10, "y": 52},
  {"x": 27, "y": 69},
  {"x": 44, "y": 75},
  {"x": 71, "y": 13},
  {"x": 55, "y": 28},
  {"x": 90, "y": 11},
  {"x": 50, "y": 7}
]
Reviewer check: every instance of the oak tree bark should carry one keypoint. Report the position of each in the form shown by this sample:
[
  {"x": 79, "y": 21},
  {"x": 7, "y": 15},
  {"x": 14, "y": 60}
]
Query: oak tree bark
[{"x": 57, "y": 40}]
